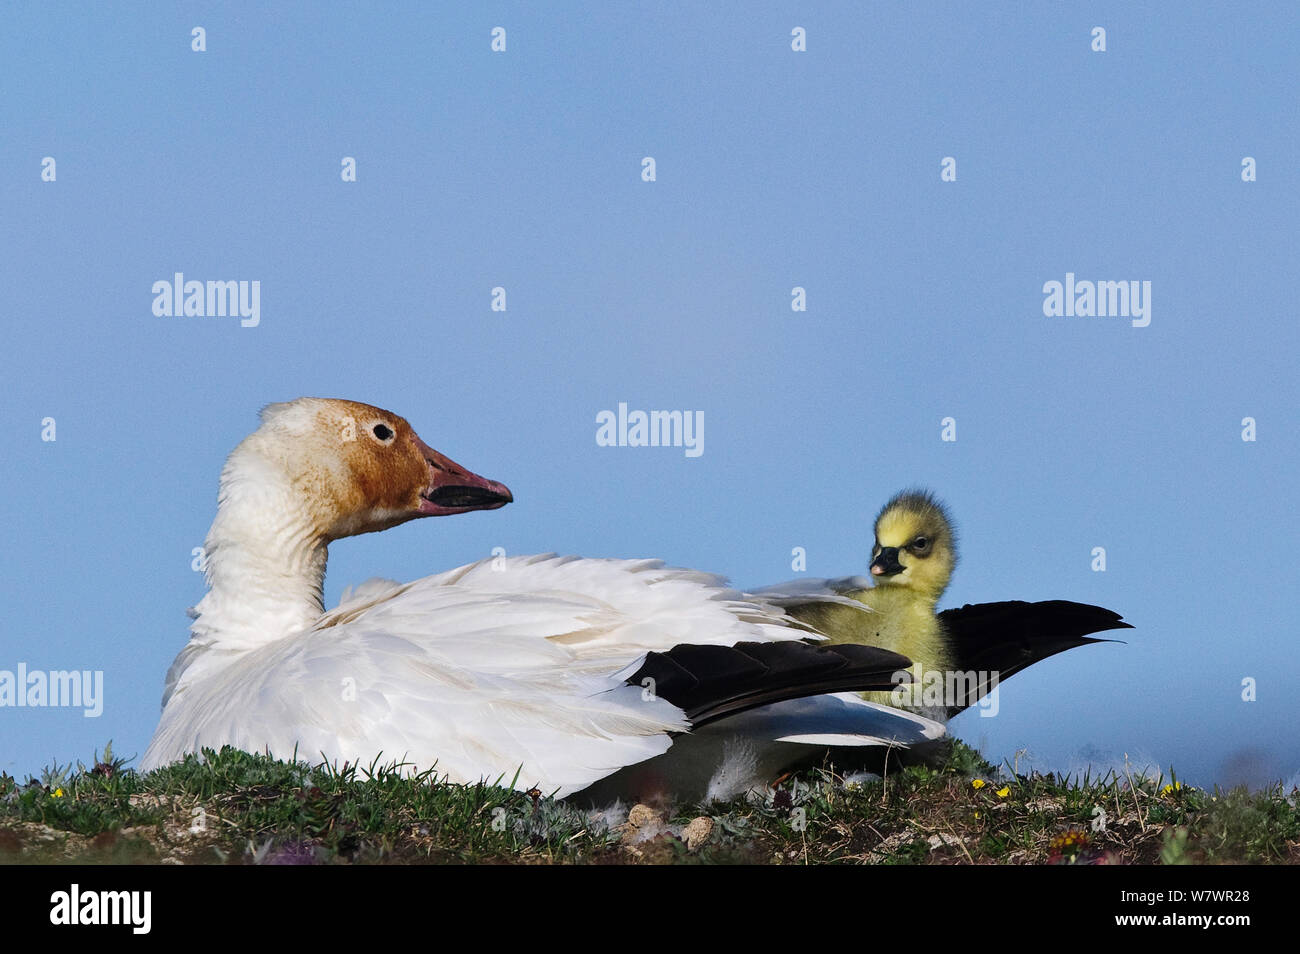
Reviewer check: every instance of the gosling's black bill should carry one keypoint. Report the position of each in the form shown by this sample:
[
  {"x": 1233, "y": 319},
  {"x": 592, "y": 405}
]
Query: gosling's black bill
[{"x": 886, "y": 562}]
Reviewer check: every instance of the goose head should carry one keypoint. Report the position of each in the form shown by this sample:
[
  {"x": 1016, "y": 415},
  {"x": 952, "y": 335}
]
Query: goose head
[
  {"x": 915, "y": 544},
  {"x": 354, "y": 468}
]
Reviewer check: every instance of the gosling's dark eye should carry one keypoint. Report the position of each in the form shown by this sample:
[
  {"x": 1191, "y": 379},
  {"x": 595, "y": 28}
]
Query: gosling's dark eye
[
  {"x": 382, "y": 432},
  {"x": 921, "y": 543}
]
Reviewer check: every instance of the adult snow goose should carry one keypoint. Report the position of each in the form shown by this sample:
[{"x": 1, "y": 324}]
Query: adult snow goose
[{"x": 545, "y": 671}]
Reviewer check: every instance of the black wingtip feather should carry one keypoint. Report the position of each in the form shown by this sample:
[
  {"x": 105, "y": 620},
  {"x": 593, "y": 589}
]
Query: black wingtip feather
[
  {"x": 711, "y": 682},
  {"x": 1007, "y": 637}
]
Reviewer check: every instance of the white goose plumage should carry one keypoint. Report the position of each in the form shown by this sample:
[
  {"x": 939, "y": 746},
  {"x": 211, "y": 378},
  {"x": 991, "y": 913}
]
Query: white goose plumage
[{"x": 511, "y": 669}]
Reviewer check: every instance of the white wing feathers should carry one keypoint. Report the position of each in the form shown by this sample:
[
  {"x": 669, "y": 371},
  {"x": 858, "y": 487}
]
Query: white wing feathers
[
  {"x": 504, "y": 665},
  {"x": 815, "y": 591}
]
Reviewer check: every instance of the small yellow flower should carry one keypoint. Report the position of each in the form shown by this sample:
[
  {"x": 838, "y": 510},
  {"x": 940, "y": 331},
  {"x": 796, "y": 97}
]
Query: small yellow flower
[
  {"x": 1172, "y": 789},
  {"x": 58, "y": 793},
  {"x": 1004, "y": 791},
  {"x": 1069, "y": 843},
  {"x": 977, "y": 814},
  {"x": 977, "y": 783}
]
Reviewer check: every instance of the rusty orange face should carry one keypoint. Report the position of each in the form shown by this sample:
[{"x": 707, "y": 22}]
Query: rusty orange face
[{"x": 370, "y": 471}]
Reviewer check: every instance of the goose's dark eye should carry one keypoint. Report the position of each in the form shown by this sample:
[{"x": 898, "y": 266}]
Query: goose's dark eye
[
  {"x": 382, "y": 432},
  {"x": 921, "y": 543}
]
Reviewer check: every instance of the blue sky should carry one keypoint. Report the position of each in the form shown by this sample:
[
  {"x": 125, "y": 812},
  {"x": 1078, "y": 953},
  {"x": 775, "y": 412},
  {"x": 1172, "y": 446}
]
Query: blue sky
[{"x": 774, "y": 169}]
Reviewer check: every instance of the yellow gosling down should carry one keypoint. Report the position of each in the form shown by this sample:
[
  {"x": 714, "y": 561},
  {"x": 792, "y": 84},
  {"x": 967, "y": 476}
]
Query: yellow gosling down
[
  {"x": 911, "y": 563},
  {"x": 912, "y": 560}
]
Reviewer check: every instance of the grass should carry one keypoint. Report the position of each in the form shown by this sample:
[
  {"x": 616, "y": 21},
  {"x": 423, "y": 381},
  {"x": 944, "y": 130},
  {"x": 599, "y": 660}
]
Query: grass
[{"x": 236, "y": 808}]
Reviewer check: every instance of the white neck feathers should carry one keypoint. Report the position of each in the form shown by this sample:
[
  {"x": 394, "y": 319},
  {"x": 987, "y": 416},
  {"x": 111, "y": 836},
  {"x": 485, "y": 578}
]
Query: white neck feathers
[{"x": 265, "y": 558}]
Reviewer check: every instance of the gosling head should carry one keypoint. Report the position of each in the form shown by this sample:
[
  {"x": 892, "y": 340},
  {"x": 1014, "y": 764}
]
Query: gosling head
[
  {"x": 916, "y": 546},
  {"x": 353, "y": 468}
]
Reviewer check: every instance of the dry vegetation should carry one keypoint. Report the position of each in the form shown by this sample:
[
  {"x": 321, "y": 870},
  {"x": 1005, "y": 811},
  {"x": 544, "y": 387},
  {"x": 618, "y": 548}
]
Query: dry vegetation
[{"x": 236, "y": 808}]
